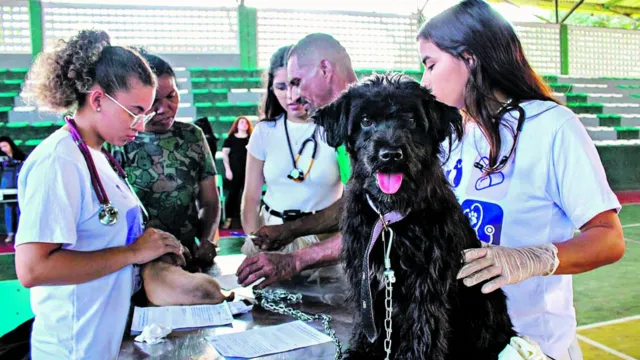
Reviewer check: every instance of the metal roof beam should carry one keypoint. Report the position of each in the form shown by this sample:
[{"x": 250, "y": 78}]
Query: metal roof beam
[
  {"x": 633, "y": 12},
  {"x": 573, "y": 8}
]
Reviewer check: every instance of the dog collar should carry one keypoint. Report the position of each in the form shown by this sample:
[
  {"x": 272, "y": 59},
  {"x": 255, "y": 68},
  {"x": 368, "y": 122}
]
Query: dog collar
[{"x": 366, "y": 308}]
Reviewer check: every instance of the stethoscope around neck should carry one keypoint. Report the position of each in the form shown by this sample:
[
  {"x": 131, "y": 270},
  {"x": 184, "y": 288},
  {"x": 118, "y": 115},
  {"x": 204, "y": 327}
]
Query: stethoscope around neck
[
  {"x": 297, "y": 174},
  {"x": 509, "y": 106},
  {"x": 108, "y": 214}
]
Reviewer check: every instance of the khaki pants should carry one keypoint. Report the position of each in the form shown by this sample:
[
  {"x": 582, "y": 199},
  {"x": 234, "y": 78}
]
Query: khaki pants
[{"x": 249, "y": 249}]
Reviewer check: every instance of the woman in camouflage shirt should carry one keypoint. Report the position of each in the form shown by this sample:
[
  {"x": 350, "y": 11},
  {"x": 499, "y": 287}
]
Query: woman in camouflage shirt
[{"x": 172, "y": 170}]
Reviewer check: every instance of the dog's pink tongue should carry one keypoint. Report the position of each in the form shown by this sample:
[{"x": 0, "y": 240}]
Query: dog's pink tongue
[{"x": 389, "y": 183}]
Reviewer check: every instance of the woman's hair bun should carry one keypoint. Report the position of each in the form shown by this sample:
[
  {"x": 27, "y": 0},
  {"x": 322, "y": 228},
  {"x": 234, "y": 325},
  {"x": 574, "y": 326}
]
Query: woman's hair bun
[{"x": 58, "y": 78}]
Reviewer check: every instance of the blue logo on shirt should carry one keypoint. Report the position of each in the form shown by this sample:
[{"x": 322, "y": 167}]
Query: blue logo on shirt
[
  {"x": 491, "y": 180},
  {"x": 485, "y": 218},
  {"x": 493, "y": 186},
  {"x": 134, "y": 224},
  {"x": 455, "y": 175}
]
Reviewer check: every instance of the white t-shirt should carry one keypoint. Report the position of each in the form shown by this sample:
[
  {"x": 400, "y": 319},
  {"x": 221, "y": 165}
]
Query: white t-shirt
[
  {"x": 555, "y": 185},
  {"x": 58, "y": 204},
  {"x": 322, "y": 186}
]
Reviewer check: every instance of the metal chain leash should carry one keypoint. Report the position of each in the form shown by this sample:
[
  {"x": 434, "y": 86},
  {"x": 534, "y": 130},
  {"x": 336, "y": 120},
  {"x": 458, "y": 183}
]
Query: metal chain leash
[
  {"x": 389, "y": 279},
  {"x": 278, "y": 300}
]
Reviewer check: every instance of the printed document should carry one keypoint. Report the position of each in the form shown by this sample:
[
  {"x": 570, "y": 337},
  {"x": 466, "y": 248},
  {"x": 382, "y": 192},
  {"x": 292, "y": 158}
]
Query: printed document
[
  {"x": 268, "y": 340},
  {"x": 182, "y": 317}
]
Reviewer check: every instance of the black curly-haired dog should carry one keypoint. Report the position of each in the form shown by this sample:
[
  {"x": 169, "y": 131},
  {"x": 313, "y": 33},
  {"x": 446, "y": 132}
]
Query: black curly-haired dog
[{"x": 393, "y": 128}]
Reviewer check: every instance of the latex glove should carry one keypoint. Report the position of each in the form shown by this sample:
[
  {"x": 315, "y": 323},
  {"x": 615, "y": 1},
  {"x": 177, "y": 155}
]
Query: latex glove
[
  {"x": 153, "y": 333},
  {"x": 507, "y": 265},
  {"x": 522, "y": 348}
]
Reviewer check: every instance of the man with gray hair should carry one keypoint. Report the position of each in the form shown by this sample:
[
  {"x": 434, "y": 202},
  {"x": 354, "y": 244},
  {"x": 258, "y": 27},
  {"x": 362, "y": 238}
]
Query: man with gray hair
[{"x": 319, "y": 70}]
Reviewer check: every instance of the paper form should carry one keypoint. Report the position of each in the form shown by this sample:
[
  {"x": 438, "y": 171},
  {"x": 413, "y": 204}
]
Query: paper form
[
  {"x": 268, "y": 340},
  {"x": 239, "y": 307},
  {"x": 182, "y": 317}
]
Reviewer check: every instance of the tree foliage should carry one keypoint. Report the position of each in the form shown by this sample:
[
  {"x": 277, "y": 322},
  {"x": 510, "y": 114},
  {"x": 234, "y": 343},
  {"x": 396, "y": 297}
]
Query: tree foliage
[{"x": 599, "y": 20}]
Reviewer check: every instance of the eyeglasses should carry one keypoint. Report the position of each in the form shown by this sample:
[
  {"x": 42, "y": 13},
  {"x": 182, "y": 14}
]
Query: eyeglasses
[{"x": 137, "y": 119}]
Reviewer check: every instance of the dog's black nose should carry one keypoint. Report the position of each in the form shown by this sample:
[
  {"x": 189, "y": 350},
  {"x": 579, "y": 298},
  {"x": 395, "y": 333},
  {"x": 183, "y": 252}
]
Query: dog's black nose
[{"x": 389, "y": 154}]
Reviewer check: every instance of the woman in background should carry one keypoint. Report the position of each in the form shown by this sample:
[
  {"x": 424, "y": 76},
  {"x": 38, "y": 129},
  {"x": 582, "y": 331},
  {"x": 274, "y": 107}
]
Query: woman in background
[
  {"x": 234, "y": 158},
  {"x": 10, "y": 171}
]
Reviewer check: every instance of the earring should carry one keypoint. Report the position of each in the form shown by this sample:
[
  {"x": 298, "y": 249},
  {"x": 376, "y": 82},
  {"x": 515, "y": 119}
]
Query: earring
[{"x": 98, "y": 109}]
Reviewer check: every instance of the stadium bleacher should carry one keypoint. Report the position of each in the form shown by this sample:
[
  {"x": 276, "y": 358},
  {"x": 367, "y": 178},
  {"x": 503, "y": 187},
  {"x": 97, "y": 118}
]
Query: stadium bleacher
[{"x": 609, "y": 108}]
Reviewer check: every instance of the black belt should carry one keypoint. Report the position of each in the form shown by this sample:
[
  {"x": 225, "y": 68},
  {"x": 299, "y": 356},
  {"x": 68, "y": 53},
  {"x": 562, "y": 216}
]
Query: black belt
[{"x": 287, "y": 215}]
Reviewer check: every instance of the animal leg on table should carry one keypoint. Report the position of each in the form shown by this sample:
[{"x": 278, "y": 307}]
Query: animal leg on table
[{"x": 167, "y": 285}]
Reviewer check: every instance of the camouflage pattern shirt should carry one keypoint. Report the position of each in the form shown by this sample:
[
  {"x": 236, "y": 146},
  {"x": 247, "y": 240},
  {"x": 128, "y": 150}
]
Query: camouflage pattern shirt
[{"x": 165, "y": 170}]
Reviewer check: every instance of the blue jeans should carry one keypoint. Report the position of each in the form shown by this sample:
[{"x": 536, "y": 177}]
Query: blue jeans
[
  {"x": 11, "y": 210},
  {"x": 11, "y": 215}
]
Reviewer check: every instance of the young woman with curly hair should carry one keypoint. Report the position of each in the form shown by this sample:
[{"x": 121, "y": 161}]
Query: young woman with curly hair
[{"x": 81, "y": 229}]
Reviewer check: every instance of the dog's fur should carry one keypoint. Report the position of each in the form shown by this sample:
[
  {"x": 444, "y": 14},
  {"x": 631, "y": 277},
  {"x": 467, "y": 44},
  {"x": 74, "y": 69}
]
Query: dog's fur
[{"x": 435, "y": 316}]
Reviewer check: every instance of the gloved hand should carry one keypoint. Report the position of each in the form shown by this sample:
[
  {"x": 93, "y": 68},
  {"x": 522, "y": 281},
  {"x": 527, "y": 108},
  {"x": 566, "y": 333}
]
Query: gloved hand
[{"x": 507, "y": 265}]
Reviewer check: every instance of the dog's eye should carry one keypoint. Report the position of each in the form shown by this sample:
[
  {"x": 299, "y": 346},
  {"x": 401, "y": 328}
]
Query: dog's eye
[{"x": 365, "y": 122}]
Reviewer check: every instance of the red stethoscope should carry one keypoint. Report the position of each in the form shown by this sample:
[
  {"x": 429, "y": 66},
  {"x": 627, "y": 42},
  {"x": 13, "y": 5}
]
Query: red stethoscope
[{"x": 108, "y": 213}]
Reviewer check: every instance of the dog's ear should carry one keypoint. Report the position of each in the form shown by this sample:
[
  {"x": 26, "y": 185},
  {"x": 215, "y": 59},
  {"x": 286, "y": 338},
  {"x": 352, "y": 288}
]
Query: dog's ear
[
  {"x": 334, "y": 119},
  {"x": 444, "y": 120}
]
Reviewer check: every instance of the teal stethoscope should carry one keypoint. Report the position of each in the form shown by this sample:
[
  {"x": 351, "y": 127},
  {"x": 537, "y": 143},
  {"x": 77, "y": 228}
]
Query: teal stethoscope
[{"x": 297, "y": 174}]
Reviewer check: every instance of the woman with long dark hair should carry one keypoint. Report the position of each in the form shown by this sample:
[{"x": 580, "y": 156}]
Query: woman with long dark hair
[
  {"x": 10, "y": 149},
  {"x": 10, "y": 168},
  {"x": 234, "y": 159},
  {"x": 525, "y": 172},
  {"x": 300, "y": 170}
]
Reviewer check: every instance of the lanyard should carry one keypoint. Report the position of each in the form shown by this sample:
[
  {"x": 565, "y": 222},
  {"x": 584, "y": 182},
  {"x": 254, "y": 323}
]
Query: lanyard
[
  {"x": 297, "y": 174},
  {"x": 108, "y": 213},
  {"x": 381, "y": 226}
]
